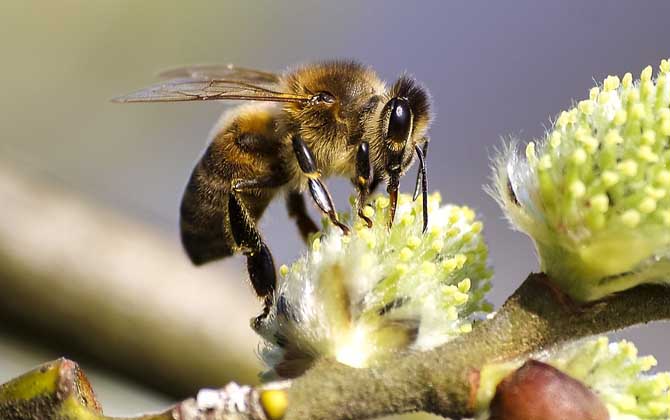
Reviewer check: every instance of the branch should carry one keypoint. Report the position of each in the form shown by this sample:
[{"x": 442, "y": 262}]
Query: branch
[
  {"x": 114, "y": 290},
  {"x": 442, "y": 381}
]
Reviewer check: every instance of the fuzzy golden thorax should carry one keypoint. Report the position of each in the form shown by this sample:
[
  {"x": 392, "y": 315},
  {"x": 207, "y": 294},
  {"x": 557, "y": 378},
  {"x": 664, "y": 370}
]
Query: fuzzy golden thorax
[{"x": 330, "y": 124}]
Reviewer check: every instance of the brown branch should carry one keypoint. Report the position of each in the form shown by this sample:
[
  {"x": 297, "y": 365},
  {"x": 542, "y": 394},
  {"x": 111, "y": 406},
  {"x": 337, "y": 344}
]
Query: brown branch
[{"x": 108, "y": 287}]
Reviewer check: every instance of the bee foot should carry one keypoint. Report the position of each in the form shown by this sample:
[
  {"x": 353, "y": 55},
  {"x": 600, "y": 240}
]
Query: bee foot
[
  {"x": 344, "y": 228},
  {"x": 365, "y": 218}
]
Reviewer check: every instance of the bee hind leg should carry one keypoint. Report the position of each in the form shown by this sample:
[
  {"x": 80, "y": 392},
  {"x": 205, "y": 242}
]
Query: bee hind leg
[{"x": 260, "y": 264}]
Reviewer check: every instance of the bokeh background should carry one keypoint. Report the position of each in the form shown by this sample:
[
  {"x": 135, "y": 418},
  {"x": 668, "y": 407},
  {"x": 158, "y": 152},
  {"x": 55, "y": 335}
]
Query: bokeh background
[{"x": 495, "y": 69}]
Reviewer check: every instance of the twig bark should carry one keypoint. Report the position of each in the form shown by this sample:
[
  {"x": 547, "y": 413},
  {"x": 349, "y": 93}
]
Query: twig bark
[{"x": 114, "y": 290}]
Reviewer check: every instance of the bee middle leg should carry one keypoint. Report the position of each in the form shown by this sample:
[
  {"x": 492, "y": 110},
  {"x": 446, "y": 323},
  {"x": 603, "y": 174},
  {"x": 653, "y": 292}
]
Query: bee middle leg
[{"x": 317, "y": 189}]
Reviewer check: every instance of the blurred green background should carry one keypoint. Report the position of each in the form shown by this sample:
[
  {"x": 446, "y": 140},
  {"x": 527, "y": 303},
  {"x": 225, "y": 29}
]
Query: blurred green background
[{"x": 494, "y": 69}]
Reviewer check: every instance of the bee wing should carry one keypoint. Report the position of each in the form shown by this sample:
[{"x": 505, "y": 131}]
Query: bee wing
[
  {"x": 190, "y": 89},
  {"x": 221, "y": 71}
]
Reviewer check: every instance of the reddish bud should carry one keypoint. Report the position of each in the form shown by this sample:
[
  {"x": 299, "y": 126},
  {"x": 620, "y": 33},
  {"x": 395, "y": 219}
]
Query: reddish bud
[{"x": 538, "y": 391}]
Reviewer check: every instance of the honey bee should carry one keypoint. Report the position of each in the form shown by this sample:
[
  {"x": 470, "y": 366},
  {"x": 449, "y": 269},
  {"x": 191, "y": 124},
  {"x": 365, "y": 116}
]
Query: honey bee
[{"x": 334, "y": 118}]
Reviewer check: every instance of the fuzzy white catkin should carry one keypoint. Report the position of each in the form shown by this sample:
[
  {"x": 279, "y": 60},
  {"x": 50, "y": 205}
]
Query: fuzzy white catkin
[{"x": 361, "y": 297}]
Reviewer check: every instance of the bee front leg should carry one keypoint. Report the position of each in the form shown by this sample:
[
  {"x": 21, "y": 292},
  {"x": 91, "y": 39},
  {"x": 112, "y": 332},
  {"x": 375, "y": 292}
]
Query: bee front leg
[
  {"x": 295, "y": 203},
  {"x": 363, "y": 179},
  {"x": 317, "y": 189}
]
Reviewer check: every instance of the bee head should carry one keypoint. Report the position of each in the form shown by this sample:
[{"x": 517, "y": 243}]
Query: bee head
[{"x": 404, "y": 121}]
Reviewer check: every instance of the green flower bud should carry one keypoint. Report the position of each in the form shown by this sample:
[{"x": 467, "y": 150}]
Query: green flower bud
[
  {"x": 593, "y": 192},
  {"x": 360, "y": 297}
]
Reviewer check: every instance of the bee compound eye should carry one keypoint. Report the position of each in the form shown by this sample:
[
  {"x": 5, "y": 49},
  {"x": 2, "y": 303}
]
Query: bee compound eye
[
  {"x": 323, "y": 98},
  {"x": 400, "y": 119}
]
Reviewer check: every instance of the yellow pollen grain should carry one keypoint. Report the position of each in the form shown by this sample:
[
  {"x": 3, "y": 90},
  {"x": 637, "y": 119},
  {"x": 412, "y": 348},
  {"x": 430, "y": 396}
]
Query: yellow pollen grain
[
  {"x": 586, "y": 106},
  {"x": 609, "y": 178},
  {"x": 469, "y": 214},
  {"x": 368, "y": 211},
  {"x": 453, "y": 217},
  {"x": 646, "y": 73},
  {"x": 628, "y": 168},
  {"x": 665, "y": 127},
  {"x": 316, "y": 244},
  {"x": 600, "y": 203},
  {"x": 630, "y": 218},
  {"x": 663, "y": 178},
  {"x": 577, "y": 189},
  {"x": 428, "y": 268},
  {"x": 405, "y": 254},
  {"x": 407, "y": 219},
  {"x": 453, "y": 232},
  {"x": 665, "y": 66},
  {"x": 413, "y": 242},
  {"x": 627, "y": 80},
  {"x": 655, "y": 193},
  {"x": 593, "y": 93},
  {"x": 620, "y": 117},
  {"x": 437, "y": 245},
  {"x": 476, "y": 227},
  {"x": 611, "y": 83},
  {"x": 613, "y": 138},
  {"x": 579, "y": 156},
  {"x": 464, "y": 285},
  {"x": 460, "y": 260},
  {"x": 644, "y": 152},
  {"x": 449, "y": 265},
  {"x": 382, "y": 202},
  {"x": 637, "y": 111},
  {"x": 401, "y": 268},
  {"x": 283, "y": 270},
  {"x": 555, "y": 139},
  {"x": 563, "y": 119},
  {"x": 647, "y": 205},
  {"x": 460, "y": 298},
  {"x": 665, "y": 217}
]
